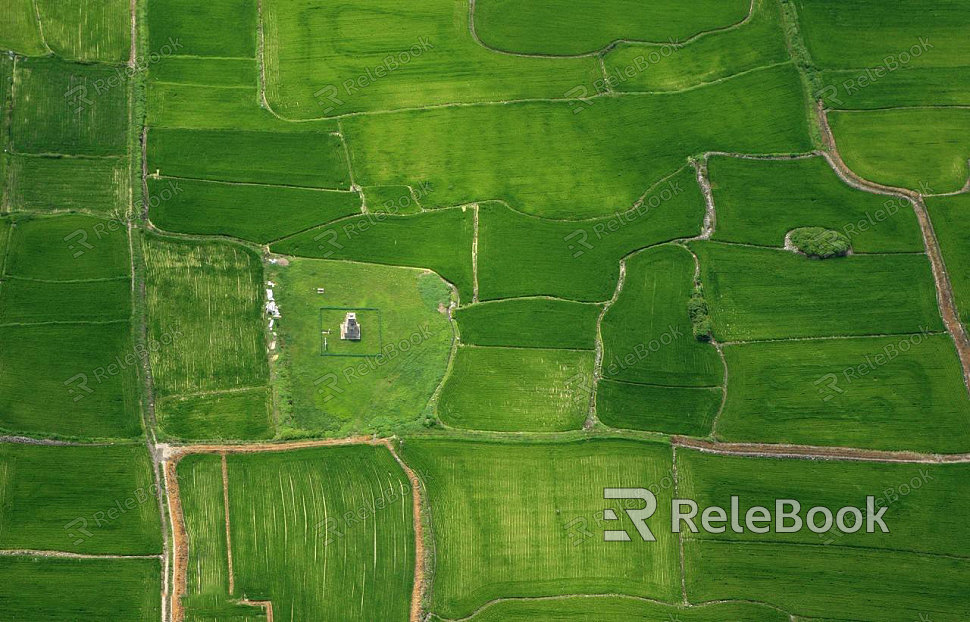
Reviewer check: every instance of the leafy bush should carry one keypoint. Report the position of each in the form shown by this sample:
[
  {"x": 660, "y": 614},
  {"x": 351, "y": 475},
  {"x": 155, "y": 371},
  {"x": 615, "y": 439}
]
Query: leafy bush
[
  {"x": 819, "y": 242},
  {"x": 700, "y": 313}
]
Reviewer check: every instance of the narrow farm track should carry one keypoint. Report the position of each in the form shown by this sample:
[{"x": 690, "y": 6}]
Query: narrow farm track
[
  {"x": 812, "y": 452},
  {"x": 67, "y": 555},
  {"x": 944, "y": 289},
  {"x": 171, "y": 456},
  {"x": 225, "y": 505}
]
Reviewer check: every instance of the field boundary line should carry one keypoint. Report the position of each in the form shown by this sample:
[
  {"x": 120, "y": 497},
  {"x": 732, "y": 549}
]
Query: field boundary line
[
  {"x": 741, "y": 342},
  {"x": 252, "y": 183},
  {"x": 105, "y": 279},
  {"x": 67, "y": 156},
  {"x": 475, "y": 346},
  {"x": 65, "y": 322},
  {"x": 609, "y": 47},
  {"x": 225, "y": 505},
  {"x": 40, "y": 28},
  {"x": 945, "y": 299},
  {"x": 475, "y": 255},
  {"x": 175, "y": 396},
  {"x": 712, "y": 387},
  {"x": 418, "y": 590},
  {"x": 18, "y": 439},
  {"x": 680, "y": 534},
  {"x": 600, "y": 346},
  {"x": 350, "y": 165},
  {"x": 69, "y": 555},
  {"x": 814, "y": 452},
  {"x": 247, "y": 87},
  {"x": 834, "y": 546}
]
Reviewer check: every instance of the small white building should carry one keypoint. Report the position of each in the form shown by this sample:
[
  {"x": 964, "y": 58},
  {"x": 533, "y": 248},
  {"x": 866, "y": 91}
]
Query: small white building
[{"x": 349, "y": 328}]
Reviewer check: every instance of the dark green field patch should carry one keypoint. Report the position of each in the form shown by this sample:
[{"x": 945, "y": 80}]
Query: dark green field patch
[
  {"x": 68, "y": 248},
  {"x": 87, "y": 30},
  {"x": 203, "y": 29},
  {"x": 30, "y": 302},
  {"x": 88, "y": 500},
  {"x": 903, "y": 392},
  {"x": 231, "y": 416},
  {"x": 313, "y": 159},
  {"x": 517, "y": 389},
  {"x": 88, "y": 589},
  {"x": 222, "y": 72},
  {"x": 98, "y": 185},
  {"x": 68, "y": 108},
  {"x": 438, "y": 240},
  {"x": 759, "y": 293},
  {"x": 251, "y": 212},
  {"x": 760, "y": 201},
  {"x": 672, "y": 410},
  {"x": 530, "y": 322},
  {"x": 874, "y": 88}
]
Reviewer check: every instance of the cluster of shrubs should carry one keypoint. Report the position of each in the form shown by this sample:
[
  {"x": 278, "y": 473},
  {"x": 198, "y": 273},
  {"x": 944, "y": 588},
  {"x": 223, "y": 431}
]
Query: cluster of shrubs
[
  {"x": 700, "y": 313},
  {"x": 820, "y": 243}
]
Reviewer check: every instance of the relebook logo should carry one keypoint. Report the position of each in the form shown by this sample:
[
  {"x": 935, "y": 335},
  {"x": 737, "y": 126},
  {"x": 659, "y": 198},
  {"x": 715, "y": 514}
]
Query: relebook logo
[{"x": 787, "y": 516}]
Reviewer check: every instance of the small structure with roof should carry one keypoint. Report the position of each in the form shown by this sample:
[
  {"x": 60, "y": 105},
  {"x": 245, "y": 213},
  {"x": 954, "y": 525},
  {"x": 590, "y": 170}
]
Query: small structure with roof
[{"x": 349, "y": 328}]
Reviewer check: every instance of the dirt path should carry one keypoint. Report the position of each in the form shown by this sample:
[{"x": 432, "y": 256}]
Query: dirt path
[
  {"x": 810, "y": 452},
  {"x": 944, "y": 289},
  {"x": 171, "y": 455},
  {"x": 67, "y": 555}
]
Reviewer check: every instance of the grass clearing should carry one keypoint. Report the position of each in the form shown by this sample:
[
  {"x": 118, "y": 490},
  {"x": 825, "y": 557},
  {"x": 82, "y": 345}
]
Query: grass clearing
[
  {"x": 205, "y": 306},
  {"x": 517, "y": 389},
  {"x": 531, "y": 323},
  {"x": 256, "y": 213},
  {"x": 772, "y": 294},
  {"x": 512, "y": 510},
  {"x": 849, "y": 392},
  {"x": 99, "y": 186},
  {"x": 87, "y": 30},
  {"x": 344, "y": 395},
  {"x": 759, "y": 202},
  {"x": 237, "y": 416},
  {"x": 672, "y": 410},
  {"x": 89, "y": 500}
]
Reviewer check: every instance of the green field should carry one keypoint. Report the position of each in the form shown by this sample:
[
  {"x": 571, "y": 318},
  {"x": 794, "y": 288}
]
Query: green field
[
  {"x": 757, "y": 43},
  {"x": 34, "y": 302},
  {"x": 562, "y": 161},
  {"x": 672, "y": 410},
  {"x": 20, "y": 31},
  {"x": 586, "y": 609},
  {"x": 205, "y": 303},
  {"x": 849, "y": 392},
  {"x": 331, "y": 536},
  {"x": 341, "y": 395},
  {"x": 195, "y": 24},
  {"x": 92, "y": 500},
  {"x": 647, "y": 333},
  {"x": 530, "y": 323},
  {"x": 87, "y": 30},
  {"x": 759, "y": 202},
  {"x": 251, "y": 212},
  {"x": 517, "y": 389},
  {"x": 759, "y": 293},
  {"x": 510, "y": 520},
  {"x": 85, "y": 589},
  {"x": 67, "y": 248},
  {"x": 67, "y": 108},
  {"x": 573, "y": 27},
  {"x": 439, "y": 240},
  {"x": 952, "y": 227},
  {"x": 235, "y": 416},
  {"x": 99, "y": 186}
]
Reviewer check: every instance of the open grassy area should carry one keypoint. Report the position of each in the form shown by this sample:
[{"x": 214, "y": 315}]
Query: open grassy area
[
  {"x": 510, "y": 521},
  {"x": 758, "y": 202},
  {"x": 951, "y": 222},
  {"x": 759, "y": 293},
  {"x": 575, "y": 27},
  {"x": 385, "y": 390},
  {"x": 94, "y": 500},
  {"x": 517, "y": 389},
  {"x": 530, "y": 322},
  {"x": 87, "y": 589}
]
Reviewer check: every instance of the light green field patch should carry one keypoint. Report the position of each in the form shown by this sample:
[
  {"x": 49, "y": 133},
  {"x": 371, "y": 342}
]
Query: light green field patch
[
  {"x": 647, "y": 334},
  {"x": 520, "y": 521},
  {"x": 903, "y": 392},
  {"x": 951, "y": 222},
  {"x": 251, "y": 212},
  {"x": 517, "y": 389},
  {"x": 232, "y": 416},
  {"x": 205, "y": 306},
  {"x": 126, "y": 590},
  {"x": 89, "y": 500},
  {"x": 922, "y": 149},
  {"x": 530, "y": 322},
  {"x": 672, "y": 410},
  {"x": 342, "y": 395},
  {"x": 67, "y": 108},
  {"x": 575, "y": 27},
  {"x": 99, "y": 185},
  {"x": 757, "y": 293},
  {"x": 20, "y": 31},
  {"x": 87, "y": 30},
  {"x": 757, "y": 43},
  {"x": 573, "y": 160},
  {"x": 391, "y": 200},
  {"x": 760, "y": 201},
  {"x": 200, "y": 107},
  {"x": 332, "y": 343}
]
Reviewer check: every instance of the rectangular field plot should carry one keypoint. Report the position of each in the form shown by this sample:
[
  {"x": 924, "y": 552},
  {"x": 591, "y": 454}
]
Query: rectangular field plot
[
  {"x": 33, "y": 302},
  {"x": 903, "y": 392},
  {"x": 311, "y": 159},
  {"x": 203, "y": 28},
  {"x": 759, "y": 202},
  {"x": 89, "y": 500},
  {"x": 67, "y": 108},
  {"x": 205, "y": 304},
  {"x": 673, "y": 410},
  {"x": 68, "y": 248},
  {"x": 21, "y": 32},
  {"x": 773, "y": 294},
  {"x": 520, "y": 521},
  {"x": 588, "y": 608},
  {"x": 98, "y": 185},
  {"x": 323, "y": 533},
  {"x": 530, "y": 322},
  {"x": 332, "y": 344},
  {"x": 235, "y": 416},
  {"x": 518, "y": 389},
  {"x": 251, "y": 212},
  {"x": 50, "y": 589},
  {"x": 87, "y": 30},
  {"x": 407, "y": 343}
]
